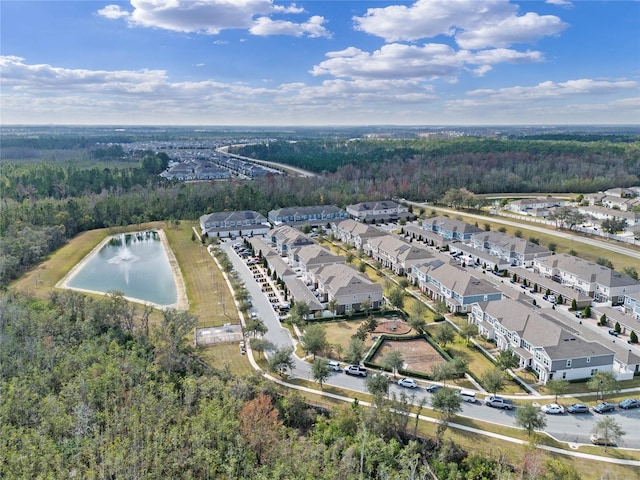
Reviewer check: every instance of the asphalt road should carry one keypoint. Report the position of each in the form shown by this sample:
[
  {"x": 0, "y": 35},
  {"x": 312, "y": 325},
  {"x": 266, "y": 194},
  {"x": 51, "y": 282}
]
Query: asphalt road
[{"x": 568, "y": 428}]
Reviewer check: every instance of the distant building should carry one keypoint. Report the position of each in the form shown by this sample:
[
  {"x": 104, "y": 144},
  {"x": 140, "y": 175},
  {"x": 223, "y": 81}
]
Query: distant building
[
  {"x": 517, "y": 251},
  {"x": 395, "y": 253},
  {"x": 350, "y": 289},
  {"x": 450, "y": 228},
  {"x": 226, "y": 224},
  {"x": 376, "y": 212},
  {"x": 538, "y": 207},
  {"x": 320, "y": 215}
]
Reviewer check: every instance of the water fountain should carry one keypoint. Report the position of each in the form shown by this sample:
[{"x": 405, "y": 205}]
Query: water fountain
[{"x": 123, "y": 257}]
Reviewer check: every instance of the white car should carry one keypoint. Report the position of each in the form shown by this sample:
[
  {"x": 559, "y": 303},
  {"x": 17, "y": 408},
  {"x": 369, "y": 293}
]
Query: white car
[
  {"x": 408, "y": 383},
  {"x": 552, "y": 409},
  {"x": 333, "y": 365}
]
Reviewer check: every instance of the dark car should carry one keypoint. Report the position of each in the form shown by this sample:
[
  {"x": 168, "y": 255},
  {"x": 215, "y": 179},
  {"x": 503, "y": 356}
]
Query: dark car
[
  {"x": 613, "y": 332},
  {"x": 604, "y": 407},
  {"x": 433, "y": 388},
  {"x": 578, "y": 408},
  {"x": 628, "y": 403}
]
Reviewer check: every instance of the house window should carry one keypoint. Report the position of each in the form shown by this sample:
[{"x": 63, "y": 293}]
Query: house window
[
  {"x": 588, "y": 359},
  {"x": 564, "y": 375},
  {"x": 568, "y": 363},
  {"x": 594, "y": 371}
]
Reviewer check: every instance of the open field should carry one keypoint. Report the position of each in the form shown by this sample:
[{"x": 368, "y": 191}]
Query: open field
[{"x": 418, "y": 355}]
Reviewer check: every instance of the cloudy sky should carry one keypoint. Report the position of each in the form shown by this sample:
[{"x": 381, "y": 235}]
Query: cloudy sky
[{"x": 320, "y": 62}]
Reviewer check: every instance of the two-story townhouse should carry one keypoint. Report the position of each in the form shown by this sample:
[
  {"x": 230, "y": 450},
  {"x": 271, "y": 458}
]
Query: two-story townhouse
[
  {"x": 395, "y": 253},
  {"x": 518, "y": 251},
  {"x": 632, "y": 305},
  {"x": 350, "y": 289},
  {"x": 286, "y": 238},
  {"x": 354, "y": 233},
  {"x": 224, "y": 224},
  {"x": 539, "y": 342},
  {"x": 319, "y": 215},
  {"x": 375, "y": 212},
  {"x": 450, "y": 228},
  {"x": 534, "y": 206},
  {"x": 453, "y": 285},
  {"x": 604, "y": 213},
  {"x": 601, "y": 283},
  {"x": 304, "y": 259}
]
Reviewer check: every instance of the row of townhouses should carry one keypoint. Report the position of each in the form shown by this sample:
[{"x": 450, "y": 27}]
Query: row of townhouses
[{"x": 460, "y": 278}]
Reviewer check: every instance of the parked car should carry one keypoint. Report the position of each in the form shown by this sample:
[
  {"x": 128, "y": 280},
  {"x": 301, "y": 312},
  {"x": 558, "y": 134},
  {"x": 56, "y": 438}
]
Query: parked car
[
  {"x": 468, "y": 396},
  {"x": 613, "y": 332},
  {"x": 598, "y": 440},
  {"x": 552, "y": 409},
  {"x": 433, "y": 388},
  {"x": 356, "y": 370},
  {"x": 578, "y": 408},
  {"x": 604, "y": 407},
  {"x": 408, "y": 383},
  {"x": 499, "y": 402},
  {"x": 628, "y": 403},
  {"x": 334, "y": 365}
]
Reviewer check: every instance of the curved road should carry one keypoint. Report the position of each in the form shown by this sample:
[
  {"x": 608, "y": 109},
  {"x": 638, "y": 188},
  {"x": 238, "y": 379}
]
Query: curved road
[{"x": 574, "y": 429}]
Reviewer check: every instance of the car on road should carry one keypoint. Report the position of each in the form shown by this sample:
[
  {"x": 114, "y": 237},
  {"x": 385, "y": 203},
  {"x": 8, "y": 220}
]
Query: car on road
[
  {"x": 552, "y": 409},
  {"x": 408, "y": 383},
  {"x": 356, "y": 370},
  {"x": 598, "y": 440},
  {"x": 578, "y": 408},
  {"x": 628, "y": 403},
  {"x": 499, "y": 402},
  {"x": 433, "y": 388},
  {"x": 334, "y": 365},
  {"x": 603, "y": 407}
]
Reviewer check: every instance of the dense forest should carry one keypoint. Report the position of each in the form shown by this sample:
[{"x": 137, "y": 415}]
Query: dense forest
[
  {"x": 88, "y": 392},
  {"x": 45, "y": 203},
  {"x": 427, "y": 168}
]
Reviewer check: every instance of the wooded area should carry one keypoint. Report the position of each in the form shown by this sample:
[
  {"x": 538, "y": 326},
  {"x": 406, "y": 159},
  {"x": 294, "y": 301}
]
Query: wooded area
[{"x": 88, "y": 392}]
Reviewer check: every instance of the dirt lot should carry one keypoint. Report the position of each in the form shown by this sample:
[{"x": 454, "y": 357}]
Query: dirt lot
[{"x": 418, "y": 355}]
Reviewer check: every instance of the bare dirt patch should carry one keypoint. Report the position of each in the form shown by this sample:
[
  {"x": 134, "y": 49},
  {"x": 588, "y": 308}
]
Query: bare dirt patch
[{"x": 418, "y": 354}]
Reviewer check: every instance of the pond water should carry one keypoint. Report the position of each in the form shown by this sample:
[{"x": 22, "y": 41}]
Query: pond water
[{"x": 135, "y": 264}]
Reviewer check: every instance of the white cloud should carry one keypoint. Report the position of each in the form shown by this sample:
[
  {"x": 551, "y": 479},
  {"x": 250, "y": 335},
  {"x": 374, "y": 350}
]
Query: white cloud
[
  {"x": 553, "y": 90},
  {"x": 113, "y": 12},
  {"x": 41, "y": 93},
  {"x": 560, "y": 3},
  {"x": 313, "y": 28},
  {"x": 213, "y": 16},
  {"x": 473, "y": 24},
  {"x": 429, "y": 61}
]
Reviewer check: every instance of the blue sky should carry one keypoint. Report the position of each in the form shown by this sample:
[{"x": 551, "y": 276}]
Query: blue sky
[{"x": 338, "y": 62}]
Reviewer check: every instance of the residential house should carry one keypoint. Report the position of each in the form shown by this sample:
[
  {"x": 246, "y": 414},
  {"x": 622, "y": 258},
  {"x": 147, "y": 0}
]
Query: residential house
[
  {"x": 308, "y": 257},
  {"x": 515, "y": 250},
  {"x": 539, "y": 342},
  {"x": 453, "y": 285},
  {"x": 601, "y": 283},
  {"x": 395, "y": 253},
  {"x": 285, "y": 239},
  {"x": 450, "y": 228},
  {"x": 535, "y": 206},
  {"x": 632, "y": 306},
  {"x": 354, "y": 233},
  {"x": 350, "y": 289},
  {"x": 604, "y": 213},
  {"x": 227, "y": 224},
  {"x": 375, "y": 212},
  {"x": 320, "y": 215}
]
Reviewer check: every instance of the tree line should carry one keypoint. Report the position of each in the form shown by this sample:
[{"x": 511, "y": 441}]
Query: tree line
[{"x": 428, "y": 168}]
